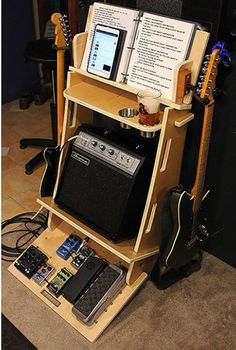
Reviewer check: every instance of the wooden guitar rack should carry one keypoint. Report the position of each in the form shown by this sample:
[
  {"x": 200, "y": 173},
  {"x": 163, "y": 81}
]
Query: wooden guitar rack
[{"x": 84, "y": 94}]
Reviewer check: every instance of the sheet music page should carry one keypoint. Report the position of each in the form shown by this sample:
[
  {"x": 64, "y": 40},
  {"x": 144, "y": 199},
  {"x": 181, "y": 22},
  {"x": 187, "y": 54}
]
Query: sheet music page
[
  {"x": 161, "y": 43},
  {"x": 117, "y": 17}
]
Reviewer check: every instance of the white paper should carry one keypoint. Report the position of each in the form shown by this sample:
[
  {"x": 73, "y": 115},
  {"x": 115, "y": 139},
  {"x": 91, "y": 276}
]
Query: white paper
[{"x": 161, "y": 44}]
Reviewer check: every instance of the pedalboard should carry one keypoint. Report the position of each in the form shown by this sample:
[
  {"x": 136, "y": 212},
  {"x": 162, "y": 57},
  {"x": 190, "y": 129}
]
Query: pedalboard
[
  {"x": 59, "y": 281},
  {"x": 83, "y": 254},
  {"x": 88, "y": 272},
  {"x": 30, "y": 261},
  {"x": 71, "y": 244},
  {"x": 44, "y": 271},
  {"x": 89, "y": 290}
]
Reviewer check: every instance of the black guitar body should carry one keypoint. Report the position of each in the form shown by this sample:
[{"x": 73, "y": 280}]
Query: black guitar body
[
  {"x": 176, "y": 251},
  {"x": 51, "y": 156}
]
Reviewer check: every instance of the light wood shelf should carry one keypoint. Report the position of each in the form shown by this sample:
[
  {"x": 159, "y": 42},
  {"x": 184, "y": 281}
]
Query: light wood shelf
[
  {"x": 124, "y": 249},
  {"x": 107, "y": 100},
  {"x": 122, "y": 88}
]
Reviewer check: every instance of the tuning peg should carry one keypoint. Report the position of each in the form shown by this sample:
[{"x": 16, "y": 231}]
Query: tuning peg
[
  {"x": 207, "y": 57},
  {"x": 200, "y": 85},
  {"x": 202, "y": 77},
  {"x": 198, "y": 91},
  {"x": 204, "y": 70}
]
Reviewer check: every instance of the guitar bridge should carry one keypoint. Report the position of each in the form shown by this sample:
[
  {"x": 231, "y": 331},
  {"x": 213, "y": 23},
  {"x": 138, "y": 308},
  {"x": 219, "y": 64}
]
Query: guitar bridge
[
  {"x": 201, "y": 236},
  {"x": 190, "y": 244}
]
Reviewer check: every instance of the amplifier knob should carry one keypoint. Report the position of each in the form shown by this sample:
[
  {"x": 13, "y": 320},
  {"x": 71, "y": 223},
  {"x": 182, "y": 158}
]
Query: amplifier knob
[
  {"x": 102, "y": 147},
  {"x": 111, "y": 151},
  {"x": 94, "y": 143}
]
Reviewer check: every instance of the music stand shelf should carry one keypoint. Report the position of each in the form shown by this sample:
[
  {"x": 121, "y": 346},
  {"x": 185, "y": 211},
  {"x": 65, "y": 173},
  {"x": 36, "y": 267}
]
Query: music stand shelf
[{"x": 125, "y": 88}]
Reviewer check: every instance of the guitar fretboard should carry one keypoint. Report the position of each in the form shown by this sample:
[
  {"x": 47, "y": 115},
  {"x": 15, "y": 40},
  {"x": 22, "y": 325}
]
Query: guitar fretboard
[
  {"x": 207, "y": 91},
  {"x": 198, "y": 188}
]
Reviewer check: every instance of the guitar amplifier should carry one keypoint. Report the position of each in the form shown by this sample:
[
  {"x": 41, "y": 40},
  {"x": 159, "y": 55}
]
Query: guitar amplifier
[{"x": 104, "y": 182}]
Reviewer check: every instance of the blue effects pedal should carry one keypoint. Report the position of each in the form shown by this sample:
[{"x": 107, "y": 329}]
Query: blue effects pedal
[{"x": 71, "y": 244}]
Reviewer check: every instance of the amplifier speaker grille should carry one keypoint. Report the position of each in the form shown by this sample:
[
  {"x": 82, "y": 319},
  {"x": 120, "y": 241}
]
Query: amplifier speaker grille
[{"x": 103, "y": 196}]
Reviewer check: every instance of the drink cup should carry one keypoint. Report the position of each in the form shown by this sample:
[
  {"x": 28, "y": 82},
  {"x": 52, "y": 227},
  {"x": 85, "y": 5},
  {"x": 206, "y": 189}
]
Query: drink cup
[{"x": 149, "y": 106}]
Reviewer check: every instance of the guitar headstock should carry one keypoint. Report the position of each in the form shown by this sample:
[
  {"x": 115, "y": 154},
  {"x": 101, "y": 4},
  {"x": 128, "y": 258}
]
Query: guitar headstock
[
  {"x": 62, "y": 31},
  {"x": 208, "y": 77}
]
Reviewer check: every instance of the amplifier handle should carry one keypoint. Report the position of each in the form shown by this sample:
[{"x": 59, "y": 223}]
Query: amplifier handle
[{"x": 151, "y": 218}]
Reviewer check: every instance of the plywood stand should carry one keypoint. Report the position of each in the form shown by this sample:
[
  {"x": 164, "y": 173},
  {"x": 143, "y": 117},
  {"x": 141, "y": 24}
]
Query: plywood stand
[{"x": 84, "y": 94}]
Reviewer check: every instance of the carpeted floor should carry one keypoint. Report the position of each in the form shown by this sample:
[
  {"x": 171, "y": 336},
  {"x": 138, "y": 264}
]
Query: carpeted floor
[{"x": 197, "y": 313}]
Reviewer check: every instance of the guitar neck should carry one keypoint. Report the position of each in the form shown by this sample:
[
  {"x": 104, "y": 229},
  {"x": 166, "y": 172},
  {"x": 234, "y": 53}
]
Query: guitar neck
[
  {"x": 62, "y": 39},
  {"x": 198, "y": 187},
  {"x": 60, "y": 89}
]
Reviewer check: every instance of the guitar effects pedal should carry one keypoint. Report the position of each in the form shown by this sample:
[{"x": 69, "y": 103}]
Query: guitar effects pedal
[
  {"x": 99, "y": 294},
  {"x": 83, "y": 255},
  {"x": 41, "y": 275},
  {"x": 30, "y": 261},
  {"x": 59, "y": 281},
  {"x": 88, "y": 272},
  {"x": 71, "y": 244}
]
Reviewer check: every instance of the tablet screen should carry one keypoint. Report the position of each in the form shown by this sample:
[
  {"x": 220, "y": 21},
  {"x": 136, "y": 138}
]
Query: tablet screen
[{"x": 103, "y": 51}]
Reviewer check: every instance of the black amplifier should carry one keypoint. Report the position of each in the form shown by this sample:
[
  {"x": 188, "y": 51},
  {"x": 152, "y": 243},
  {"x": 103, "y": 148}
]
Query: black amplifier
[{"x": 104, "y": 182}]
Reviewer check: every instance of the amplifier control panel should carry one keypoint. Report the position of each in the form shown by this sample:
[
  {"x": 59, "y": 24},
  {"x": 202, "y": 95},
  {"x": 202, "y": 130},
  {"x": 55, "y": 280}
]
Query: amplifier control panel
[{"x": 107, "y": 152}]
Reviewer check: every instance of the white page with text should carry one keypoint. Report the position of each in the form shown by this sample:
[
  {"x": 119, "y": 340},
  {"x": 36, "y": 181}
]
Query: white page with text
[{"x": 161, "y": 43}]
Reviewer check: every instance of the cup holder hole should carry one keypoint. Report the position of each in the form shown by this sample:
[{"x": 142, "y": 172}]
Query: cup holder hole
[{"x": 128, "y": 112}]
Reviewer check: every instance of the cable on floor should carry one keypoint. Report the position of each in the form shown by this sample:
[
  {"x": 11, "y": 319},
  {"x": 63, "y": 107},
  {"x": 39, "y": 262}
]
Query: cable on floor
[{"x": 31, "y": 224}]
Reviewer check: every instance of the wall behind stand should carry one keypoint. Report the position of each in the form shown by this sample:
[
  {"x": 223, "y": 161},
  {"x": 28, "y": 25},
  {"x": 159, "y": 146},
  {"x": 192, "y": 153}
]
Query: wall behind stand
[
  {"x": 165, "y": 7},
  {"x": 221, "y": 174},
  {"x": 220, "y": 208},
  {"x": 17, "y": 31}
]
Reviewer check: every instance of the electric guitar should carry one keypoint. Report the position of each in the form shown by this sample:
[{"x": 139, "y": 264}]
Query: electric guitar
[
  {"x": 62, "y": 42},
  {"x": 51, "y": 154},
  {"x": 188, "y": 233}
]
